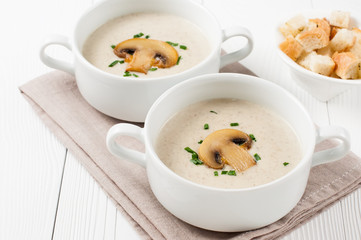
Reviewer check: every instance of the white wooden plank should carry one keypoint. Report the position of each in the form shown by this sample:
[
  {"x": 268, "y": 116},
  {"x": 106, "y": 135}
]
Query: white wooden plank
[
  {"x": 352, "y": 215},
  {"x": 124, "y": 231},
  {"x": 328, "y": 225},
  {"x": 83, "y": 211},
  {"x": 32, "y": 159},
  {"x": 110, "y": 221},
  {"x": 30, "y": 173}
]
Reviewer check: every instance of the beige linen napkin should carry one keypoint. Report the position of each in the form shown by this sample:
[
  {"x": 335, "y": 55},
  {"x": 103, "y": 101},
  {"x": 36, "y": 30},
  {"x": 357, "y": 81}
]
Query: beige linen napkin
[{"x": 82, "y": 129}]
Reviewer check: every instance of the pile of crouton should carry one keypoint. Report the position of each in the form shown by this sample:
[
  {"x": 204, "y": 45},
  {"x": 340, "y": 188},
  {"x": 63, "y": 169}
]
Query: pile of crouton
[{"x": 326, "y": 46}]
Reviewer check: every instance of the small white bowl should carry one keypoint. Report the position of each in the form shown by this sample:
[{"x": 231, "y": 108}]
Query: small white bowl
[{"x": 321, "y": 87}]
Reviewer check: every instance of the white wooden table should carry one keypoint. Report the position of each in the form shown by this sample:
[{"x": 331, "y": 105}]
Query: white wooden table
[{"x": 46, "y": 193}]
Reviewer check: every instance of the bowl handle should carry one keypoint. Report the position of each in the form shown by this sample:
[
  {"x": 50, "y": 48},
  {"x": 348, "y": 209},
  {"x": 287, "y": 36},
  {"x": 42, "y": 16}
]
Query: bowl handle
[
  {"x": 125, "y": 129},
  {"x": 334, "y": 153},
  {"x": 235, "y": 56},
  {"x": 52, "y": 62}
]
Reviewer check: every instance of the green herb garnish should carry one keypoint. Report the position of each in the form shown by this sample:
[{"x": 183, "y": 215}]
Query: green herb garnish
[
  {"x": 213, "y": 112},
  {"x": 188, "y": 149},
  {"x": 135, "y": 75},
  {"x": 183, "y": 47},
  {"x": 234, "y": 124},
  {"x": 112, "y": 46},
  {"x": 138, "y": 35},
  {"x": 127, "y": 74},
  {"x": 153, "y": 69},
  {"x": 200, "y": 141},
  {"x": 224, "y": 172},
  {"x": 252, "y": 137},
  {"x": 115, "y": 62},
  {"x": 172, "y": 43},
  {"x": 215, "y": 173},
  {"x": 147, "y": 36},
  {"x": 179, "y": 58},
  {"x": 232, "y": 173},
  {"x": 206, "y": 126},
  {"x": 285, "y": 163},
  {"x": 195, "y": 160},
  {"x": 256, "y": 157}
]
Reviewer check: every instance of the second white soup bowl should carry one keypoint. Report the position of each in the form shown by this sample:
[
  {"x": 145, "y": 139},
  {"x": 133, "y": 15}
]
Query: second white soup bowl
[{"x": 237, "y": 209}]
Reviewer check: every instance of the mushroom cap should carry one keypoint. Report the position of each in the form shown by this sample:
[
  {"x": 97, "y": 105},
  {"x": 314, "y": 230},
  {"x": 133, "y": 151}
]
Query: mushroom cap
[
  {"x": 142, "y": 54},
  {"x": 227, "y": 146}
]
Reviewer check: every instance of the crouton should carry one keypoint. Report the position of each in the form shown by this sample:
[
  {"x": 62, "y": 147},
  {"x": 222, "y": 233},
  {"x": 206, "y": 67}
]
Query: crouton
[
  {"x": 357, "y": 33},
  {"x": 320, "y": 23},
  {"x": 347, "y": 65},
  {"x": 313, "y": 39},
  {"x": 323, "y": 65},
  {"x": 325, "y": 51},
  {"x": 293, "y": 26},
  {"x": 291, "y": 48},
  {"x": 333, "y": 32},
  {"x": 343, "y": 39},
  {"x": 356, "y": 48},
  {"x": 340, "y": 19}
]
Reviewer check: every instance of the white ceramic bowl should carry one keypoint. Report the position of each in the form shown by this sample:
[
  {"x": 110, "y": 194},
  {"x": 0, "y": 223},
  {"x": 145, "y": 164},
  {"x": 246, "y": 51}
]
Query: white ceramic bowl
[
  {"x": 321, "y": 87},
  {"x": 238, "y": 209},
  {"x": 130, "y": 99}
]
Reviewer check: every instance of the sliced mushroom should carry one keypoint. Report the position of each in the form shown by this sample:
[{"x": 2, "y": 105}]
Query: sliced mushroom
[
  {"x": 142, "y": 54},
  {"x": 227, "y": 146}
]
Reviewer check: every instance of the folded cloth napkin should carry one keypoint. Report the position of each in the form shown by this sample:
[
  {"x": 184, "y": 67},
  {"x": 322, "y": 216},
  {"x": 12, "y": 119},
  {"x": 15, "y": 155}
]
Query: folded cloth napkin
[{"x": 82, "y": 129}]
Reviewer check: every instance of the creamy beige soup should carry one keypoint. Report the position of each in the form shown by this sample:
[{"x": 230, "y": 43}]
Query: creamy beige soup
[
  {"x": 159, "y": 26},
  {"x": 276, "y": 143}
]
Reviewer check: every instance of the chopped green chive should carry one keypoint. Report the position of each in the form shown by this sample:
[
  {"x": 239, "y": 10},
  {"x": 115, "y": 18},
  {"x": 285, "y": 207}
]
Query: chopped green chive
[
  {"x": 127, "y": 74},
  {"x": 200, "y": 141},
  {"x": 112, "y": 46},
  {"x": 213, "y": 112},
  {"x": 285, "y": 163},
  {"x": 188, "y": 149},
  {"x": 135, "y": 75},
  {"x": 115, "y": 62},
  {"x": 234, "y": 124},
  {"x": 138, "y": 35},
  {"x": 153, "y": 69},
  {"x": 147, "y": 36},
  {"x": 224, "y": 172},
  {"x": 179, "y": 58},
  {"x": 252, "y": 137},
  {"x": 256, "y": 157},
  {"x": 195, "y": 160},
  {"x": 172, "y": 43},
  {"x": 183, "y": 47},
  {"x": 206, "y": 126},
  {"x": 215, "y": 173},
  {"x": 232, "y": 173}
]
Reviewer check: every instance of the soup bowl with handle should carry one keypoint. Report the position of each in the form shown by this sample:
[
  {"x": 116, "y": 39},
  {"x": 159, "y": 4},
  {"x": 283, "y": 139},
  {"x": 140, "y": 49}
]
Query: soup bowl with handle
[
  {"x": 218, "y": 209},
  {"x": 130, "y": 98}
]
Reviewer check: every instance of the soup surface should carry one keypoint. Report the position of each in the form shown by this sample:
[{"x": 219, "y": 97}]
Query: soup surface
[
  {"x": 98, "y": 49},
  {"x": 275, "y": 142}
]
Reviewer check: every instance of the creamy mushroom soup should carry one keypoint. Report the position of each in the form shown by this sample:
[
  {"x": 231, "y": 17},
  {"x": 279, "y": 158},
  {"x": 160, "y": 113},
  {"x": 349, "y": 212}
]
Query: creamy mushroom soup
[
  {"x": 274, "y": 148},
  {"x": 183, "y": 36}
]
